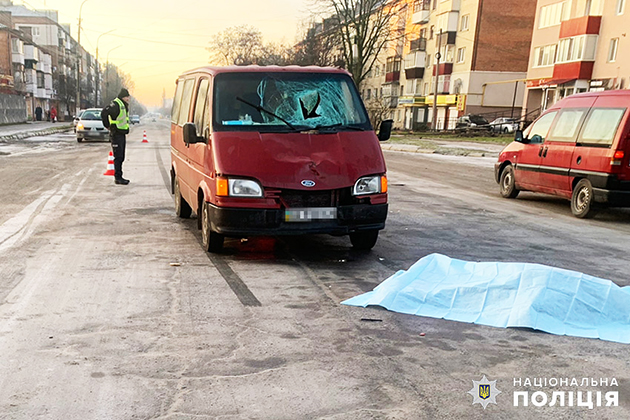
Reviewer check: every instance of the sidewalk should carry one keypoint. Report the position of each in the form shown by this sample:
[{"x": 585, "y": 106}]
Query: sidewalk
[{"x": 31, "y": 129}]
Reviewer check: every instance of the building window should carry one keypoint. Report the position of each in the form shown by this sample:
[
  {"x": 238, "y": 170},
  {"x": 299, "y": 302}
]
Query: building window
[
  {"x": 620, "y": 6},
  {"x": 545, "y": 56},
  {"x": 431, "y": 31},
  {"x": 461, "y": 54},
  {"x": 553, "y": 14},
  {"x": 429, "y": 60},
  {"x": 594, "y": 7},
  {"x": 577, "y": 48},
  {"x": 612, "y": 51},
  {"x": 464, "y": 25},
  {"x": 35, "y": 31}
]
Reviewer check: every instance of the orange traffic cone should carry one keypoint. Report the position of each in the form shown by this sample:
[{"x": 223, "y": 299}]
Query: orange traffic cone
[
  {"x": 144, "y": 137},
  {"x": 110, "y": 165}
]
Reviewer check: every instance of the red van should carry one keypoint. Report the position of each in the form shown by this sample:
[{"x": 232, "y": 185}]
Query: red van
[
  {"x": 578, "y": 149},
  {"x": 276, "y": 151}
]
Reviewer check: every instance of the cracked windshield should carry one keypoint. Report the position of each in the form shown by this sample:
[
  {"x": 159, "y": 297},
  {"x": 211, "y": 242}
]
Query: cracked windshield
[{"x": 314, "y": 209}]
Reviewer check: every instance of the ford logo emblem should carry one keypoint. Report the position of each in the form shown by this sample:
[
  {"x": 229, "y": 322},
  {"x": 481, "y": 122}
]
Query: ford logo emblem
[{"x": 308, "y": 183}]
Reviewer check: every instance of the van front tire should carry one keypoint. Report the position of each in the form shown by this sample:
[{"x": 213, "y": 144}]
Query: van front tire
[
  {"x": 182, "y": 208},
  {"x": 582, "y": 202},
  {"x": 211, "y": 241},
  {"x": 364, "y": 240}
]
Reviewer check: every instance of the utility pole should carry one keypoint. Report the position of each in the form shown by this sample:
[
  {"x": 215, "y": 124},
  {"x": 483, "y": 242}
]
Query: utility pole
[
  {"x": 438, "y": 55},
  {"x": 98, "y": 65},
  {"x": 79, "y": 57}
]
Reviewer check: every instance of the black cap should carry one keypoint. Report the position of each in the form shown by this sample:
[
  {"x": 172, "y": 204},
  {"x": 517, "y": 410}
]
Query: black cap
[{"x": 123, "y": 93}]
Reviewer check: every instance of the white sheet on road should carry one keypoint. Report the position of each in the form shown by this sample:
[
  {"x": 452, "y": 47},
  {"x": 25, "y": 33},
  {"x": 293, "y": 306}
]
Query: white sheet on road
[{"x": 498, "y": 294}]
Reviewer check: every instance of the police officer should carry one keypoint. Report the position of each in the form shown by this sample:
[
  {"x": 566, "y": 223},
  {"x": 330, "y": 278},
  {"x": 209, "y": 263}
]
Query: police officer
[{"x": 115, "y": 117}]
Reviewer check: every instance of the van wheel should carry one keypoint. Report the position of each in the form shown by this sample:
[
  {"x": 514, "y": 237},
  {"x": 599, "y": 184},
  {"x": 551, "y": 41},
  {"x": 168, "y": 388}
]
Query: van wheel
[
  {"x": 182, "y": 208},
  {"x": 211, "y": 241},
  {"x": 79, "y": 139},
  {"x": 365, "y": 240},
  {"x": 582, "y": 200},
  {"x": 507, "y": 183}
]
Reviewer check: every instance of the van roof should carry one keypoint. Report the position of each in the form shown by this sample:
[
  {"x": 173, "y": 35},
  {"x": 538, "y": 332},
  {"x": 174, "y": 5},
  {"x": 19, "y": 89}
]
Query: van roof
[
  {"x": 619, "y": 92},
  {"x": 214, "y": 70}
]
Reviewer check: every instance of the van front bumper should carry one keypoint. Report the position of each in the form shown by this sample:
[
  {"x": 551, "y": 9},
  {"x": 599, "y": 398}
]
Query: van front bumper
[{"x": 244, "y": 222}]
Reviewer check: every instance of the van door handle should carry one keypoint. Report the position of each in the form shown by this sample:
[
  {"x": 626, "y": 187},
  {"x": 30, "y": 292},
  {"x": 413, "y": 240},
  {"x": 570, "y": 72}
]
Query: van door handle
[
  {"x": 545, "y": 152},
  {"x": 540, "y": 151}
]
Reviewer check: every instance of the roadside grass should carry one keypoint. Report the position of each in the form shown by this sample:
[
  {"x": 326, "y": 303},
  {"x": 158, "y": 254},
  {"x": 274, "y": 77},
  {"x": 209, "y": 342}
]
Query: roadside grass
[{"x": 428, "y": 139}]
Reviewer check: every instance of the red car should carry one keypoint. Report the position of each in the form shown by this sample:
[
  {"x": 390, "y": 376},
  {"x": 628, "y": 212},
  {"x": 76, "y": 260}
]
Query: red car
[
  {"x": 276, "y": 151},
  {"x": 578, "y": 149}
]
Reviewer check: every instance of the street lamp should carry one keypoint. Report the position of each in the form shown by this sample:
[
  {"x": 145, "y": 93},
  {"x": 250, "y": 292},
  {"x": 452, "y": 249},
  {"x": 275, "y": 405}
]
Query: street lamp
[
  {"x": 107, "y": 68},
  {"x": 78, "y": 104},
  {"x": 98, "y": 65}
]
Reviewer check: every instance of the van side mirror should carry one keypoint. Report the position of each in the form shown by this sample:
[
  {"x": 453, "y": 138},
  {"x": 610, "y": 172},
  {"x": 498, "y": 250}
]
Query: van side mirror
[
  {"x": 518, "y": 136},
  {"x": 385, "y": 130},
  {"x": 190, "y": 134}
]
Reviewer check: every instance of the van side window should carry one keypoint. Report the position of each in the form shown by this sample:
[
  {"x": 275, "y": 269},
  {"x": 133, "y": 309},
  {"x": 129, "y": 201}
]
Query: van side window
[
  {"x": 601, "y": 126},
  {"x": 200, "y": 119},
  {"x": 186, "y": 99},
  {"x": 539, "y": 129},
  {"x": 568, "y": 125},
  {"x": 177, "y": 102}
]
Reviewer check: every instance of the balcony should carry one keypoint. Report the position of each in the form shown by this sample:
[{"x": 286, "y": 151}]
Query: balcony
[
  {"x": 419, "y": 44},
  {"x": 445, "y": 68},
  {"x": 450, "y": 6},
  {"x": 31, "y": 53},
  {"x": 421, "y": 12},
  {"x": 585, "y": 25},
  {"x": 415, "y": 64},
  {"x": 17, "y": 58},
  {"x": 392, "y": 69},
  {"x": 580, "y": 70}
]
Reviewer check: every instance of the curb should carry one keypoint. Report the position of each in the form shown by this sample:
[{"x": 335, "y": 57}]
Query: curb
[
  {"x": 26, "y": 134},
  {"x": 438, "y": 151}
]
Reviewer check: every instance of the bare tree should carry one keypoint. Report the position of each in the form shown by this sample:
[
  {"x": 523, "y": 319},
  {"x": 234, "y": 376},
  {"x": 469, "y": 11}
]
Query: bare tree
[
  {"x": 238, "y": 45},
  {"x": 365, "y": 27},
  {"x": 378, "y": 110},
  {"x": 317, "y": 47}
]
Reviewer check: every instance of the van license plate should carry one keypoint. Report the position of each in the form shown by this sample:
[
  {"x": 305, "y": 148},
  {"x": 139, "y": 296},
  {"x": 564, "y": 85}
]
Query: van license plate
[{"x": 310, "y": 213}]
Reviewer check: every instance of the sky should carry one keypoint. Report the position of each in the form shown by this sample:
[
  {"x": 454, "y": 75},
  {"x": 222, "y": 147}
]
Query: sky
[{"x": 156, "y": 40}]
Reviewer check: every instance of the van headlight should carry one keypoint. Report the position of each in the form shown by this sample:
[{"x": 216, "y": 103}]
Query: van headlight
[
  {"x": 244, "y": 188},
  {"x": 370, "y": 185}
]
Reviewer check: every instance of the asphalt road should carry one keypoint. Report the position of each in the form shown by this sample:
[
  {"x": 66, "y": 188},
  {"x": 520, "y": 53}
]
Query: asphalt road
[{"x": 109, "y": 309}]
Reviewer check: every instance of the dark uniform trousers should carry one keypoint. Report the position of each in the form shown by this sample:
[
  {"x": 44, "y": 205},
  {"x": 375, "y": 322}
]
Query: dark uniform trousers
[{"x": 119, "y": 143}]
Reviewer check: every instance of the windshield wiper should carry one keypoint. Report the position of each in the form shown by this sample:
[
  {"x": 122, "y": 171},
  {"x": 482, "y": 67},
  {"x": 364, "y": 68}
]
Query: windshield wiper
[
  {"x": 261, "y": 109},
  {"x": 331, "y": 126}
]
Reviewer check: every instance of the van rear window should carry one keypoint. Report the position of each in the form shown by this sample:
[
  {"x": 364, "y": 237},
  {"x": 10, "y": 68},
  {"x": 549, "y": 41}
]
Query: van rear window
[
  {"x": 303, "y": 100},
  {"x": 601, "y": 126}
]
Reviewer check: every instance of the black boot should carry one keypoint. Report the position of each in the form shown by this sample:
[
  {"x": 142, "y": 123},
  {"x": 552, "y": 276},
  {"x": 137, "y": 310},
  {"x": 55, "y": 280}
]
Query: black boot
[{"x": 121, "y": 181}]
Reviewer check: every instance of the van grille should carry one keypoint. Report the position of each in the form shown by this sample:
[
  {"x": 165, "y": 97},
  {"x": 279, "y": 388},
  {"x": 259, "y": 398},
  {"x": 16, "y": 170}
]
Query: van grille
[{"x": 327, "y": 198}]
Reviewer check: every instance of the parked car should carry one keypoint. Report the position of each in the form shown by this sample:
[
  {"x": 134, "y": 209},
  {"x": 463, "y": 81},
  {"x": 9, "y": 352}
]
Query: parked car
[
  {"x": 504, "y": 125},
  {"x": 90, "y": 125},
  {"x": 292, "y": 152},
  {"x": 134, "y": 119},
  {"x": 76, "y": 119},
  {"x": 472, "y": 120},
  {"x": 578, "y": 149}
]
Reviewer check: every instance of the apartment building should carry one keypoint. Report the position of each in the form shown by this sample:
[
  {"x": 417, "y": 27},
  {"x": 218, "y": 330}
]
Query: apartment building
[
  {"x": 49, "y": 60},
  {"x": 577, "y": 46},
  {"x": 483, "y": 48}
]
